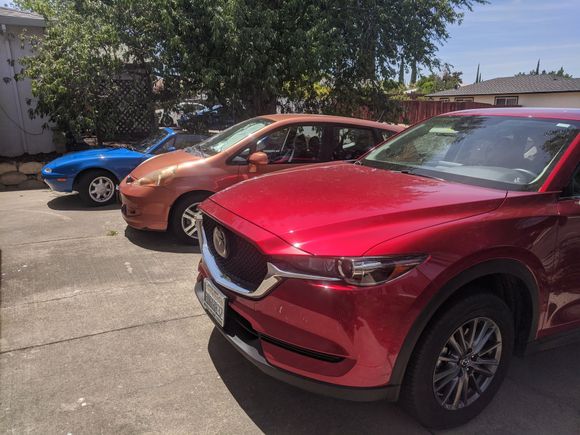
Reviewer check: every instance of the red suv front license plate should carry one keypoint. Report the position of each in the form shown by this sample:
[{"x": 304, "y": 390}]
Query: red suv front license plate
[{"x": 214, "y": 301}]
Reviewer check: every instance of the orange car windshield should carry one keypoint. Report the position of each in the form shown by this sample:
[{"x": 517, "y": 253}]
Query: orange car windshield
[{"x": 228, "y": 138}]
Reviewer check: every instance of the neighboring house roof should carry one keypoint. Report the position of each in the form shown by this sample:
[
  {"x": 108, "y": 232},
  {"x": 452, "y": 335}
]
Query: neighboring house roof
[
  {"x": 12, "y": 17},
  {"x": 525, "y": 84}
]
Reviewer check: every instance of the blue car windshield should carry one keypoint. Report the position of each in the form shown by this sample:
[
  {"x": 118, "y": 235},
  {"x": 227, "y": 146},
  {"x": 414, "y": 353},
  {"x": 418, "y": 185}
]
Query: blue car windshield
[
  {"x": 149, "y": 141},
  {"x": 228, "y": 138}
]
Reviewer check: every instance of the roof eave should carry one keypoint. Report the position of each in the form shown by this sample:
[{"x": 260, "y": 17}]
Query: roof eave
[{"x": 22, "y": 21}]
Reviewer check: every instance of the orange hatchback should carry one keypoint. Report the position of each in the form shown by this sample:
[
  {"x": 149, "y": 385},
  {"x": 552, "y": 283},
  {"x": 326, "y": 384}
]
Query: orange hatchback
[{"x": 163, "y": 192}]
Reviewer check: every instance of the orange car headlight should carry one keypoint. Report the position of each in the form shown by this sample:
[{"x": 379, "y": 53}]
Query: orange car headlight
[{"x": 159, "y": 177}]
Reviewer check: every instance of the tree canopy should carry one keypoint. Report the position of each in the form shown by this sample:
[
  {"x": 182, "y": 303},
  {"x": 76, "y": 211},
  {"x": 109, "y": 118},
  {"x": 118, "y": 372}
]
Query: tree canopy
[
  {"x": 325, "y": 55},
  {"x": 560, "y": 72},
  {"x": 446, "y": 79}
]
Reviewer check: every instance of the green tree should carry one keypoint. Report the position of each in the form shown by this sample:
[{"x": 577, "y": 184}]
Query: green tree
[
  {"x": 559, "y": 72},
  {"x": 446, "y": 79},
  {"x": 73, "y": 66},
  {"x": 423, "y": 27},
  {"x": 267, "y": 50},
  {"x": 336, "y": 56},
  {"x": 368, "y": 40}
]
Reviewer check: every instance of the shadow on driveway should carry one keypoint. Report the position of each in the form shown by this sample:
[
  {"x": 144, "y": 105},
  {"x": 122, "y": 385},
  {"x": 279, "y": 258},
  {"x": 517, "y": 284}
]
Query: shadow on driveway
[
  {"x": 276, "y": 407},
  {"x": 73, "y": 202},
  {"x": 538, "y": 389},
  {"x": 158, "y": 241}
]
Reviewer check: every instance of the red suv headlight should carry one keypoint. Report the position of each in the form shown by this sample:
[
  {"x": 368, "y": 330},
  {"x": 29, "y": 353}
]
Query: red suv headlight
[{"x": 359, "y": 271}]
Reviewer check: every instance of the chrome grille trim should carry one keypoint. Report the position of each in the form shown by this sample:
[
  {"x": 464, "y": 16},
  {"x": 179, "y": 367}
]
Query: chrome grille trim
[{"x": 273, "y": 276}]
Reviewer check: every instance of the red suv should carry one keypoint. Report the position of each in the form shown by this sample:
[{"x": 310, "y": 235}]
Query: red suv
[{"x": 413, "y": 273}]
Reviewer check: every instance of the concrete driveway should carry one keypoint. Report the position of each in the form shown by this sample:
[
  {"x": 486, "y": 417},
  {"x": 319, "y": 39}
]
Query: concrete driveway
[{"x": 101, "y": 333}]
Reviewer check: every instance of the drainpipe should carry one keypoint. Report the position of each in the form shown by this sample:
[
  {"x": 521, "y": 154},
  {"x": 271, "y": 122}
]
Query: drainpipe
[{"x": 23, "y": 136}]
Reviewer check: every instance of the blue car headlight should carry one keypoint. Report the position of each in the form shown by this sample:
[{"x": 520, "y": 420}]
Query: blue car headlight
[{"x": 48, "y": 170}]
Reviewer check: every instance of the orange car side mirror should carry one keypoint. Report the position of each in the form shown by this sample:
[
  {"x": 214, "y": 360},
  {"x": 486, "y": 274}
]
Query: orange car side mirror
[{"x": 257, "y": 159}]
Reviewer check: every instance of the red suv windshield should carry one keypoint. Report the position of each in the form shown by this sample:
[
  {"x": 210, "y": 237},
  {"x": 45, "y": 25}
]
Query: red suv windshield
[{"x": 495, "y": 151}]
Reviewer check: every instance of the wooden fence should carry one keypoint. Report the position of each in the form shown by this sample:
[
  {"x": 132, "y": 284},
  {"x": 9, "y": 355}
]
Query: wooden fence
[{"x": 413, "y": 111}]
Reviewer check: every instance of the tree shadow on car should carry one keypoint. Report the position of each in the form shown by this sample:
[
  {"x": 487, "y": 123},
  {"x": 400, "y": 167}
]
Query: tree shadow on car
[
  {"x": 276, "y": 407},
  {"x": 72, "y": 202},
  {"x": 158, "y": 241},
  {"x": 539, "y": 396}
]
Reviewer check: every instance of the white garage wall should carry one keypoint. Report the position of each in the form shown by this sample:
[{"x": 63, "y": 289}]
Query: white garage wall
[{"x": 18, "y": 133}]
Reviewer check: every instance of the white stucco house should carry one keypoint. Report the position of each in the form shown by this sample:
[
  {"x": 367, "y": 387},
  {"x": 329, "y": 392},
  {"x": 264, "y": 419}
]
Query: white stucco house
[
  {"x": 527, "y": 90},
  {"x": 18, "y": 133}
]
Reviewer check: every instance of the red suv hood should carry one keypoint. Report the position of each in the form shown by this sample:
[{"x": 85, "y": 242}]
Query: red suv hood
[{"x": 345, "y": 209}]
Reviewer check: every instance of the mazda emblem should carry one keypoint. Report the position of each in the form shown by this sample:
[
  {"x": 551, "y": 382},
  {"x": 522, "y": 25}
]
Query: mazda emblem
[{"x": 220, "y": 242}]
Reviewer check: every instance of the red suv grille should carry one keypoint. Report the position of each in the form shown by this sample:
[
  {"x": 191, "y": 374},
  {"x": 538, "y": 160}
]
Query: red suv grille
[{"x": 245, "y": 264}]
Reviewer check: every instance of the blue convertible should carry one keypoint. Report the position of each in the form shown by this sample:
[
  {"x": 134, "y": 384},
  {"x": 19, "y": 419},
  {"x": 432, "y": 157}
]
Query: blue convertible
[{"x": 94, "y": 173}]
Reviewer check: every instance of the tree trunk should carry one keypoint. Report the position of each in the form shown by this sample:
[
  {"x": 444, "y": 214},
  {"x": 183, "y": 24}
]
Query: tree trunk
[
  {"x": 414, "y": 71},
  {"x": 262, "y": 104},
  {"x": 402, "y": 72}
]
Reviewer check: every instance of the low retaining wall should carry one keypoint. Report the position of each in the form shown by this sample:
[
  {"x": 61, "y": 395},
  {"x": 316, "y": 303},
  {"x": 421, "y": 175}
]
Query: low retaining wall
[{"x": 21, "y": 175}]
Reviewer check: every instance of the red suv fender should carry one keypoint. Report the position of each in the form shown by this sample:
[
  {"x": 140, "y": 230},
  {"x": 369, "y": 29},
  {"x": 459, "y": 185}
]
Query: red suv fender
[{"x": 490, "y": 267}]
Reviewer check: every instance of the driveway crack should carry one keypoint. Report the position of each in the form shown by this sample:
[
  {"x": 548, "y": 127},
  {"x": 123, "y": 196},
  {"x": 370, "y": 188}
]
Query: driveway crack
[
  {"x": 81, "y": 293},
  {"x": 157, "y": 322}
]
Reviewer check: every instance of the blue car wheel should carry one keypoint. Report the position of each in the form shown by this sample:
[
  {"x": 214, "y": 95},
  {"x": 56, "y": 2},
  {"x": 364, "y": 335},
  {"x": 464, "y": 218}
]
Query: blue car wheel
[{"x": 97, "y": 188}]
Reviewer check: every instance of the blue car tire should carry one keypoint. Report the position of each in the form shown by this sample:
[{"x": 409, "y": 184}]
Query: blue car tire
[{"x": 97, "y": 188}]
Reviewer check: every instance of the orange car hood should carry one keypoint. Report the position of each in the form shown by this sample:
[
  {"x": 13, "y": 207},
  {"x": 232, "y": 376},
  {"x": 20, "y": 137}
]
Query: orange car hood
[{"x": 162, "y": 161}]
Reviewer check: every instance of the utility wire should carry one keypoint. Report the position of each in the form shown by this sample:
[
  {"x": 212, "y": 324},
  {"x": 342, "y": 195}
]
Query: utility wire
[{"x": 18, "y": 125}]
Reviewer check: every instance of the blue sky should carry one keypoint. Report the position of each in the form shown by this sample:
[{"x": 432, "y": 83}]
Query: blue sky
[{"x": 508, "y": 36}]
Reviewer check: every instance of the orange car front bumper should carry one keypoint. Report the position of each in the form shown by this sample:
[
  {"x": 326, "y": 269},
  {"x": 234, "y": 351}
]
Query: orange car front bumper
[{"x": 144, "y": 207}]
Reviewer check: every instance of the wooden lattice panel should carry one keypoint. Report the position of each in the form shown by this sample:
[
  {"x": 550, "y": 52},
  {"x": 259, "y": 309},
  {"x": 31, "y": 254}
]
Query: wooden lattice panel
[{"x": 130, "y": 112}]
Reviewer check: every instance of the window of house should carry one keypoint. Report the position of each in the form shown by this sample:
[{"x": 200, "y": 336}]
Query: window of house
[
  {"x": 293, "y": 144},
  {"x": 352, "y": 142},
  {"x": 444, "y": 100},
  {"x": 506, "y": 101},
  {"x": 464, "y": 99}
]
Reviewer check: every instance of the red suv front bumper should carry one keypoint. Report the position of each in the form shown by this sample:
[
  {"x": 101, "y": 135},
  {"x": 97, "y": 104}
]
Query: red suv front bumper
[
  {"x": 326, "y": 337},
  {"x": 258, "y": 349}
]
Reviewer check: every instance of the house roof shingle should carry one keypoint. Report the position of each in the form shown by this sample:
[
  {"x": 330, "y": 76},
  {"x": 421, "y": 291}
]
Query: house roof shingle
[
  {"x": 525, "y": 84},
  {"x": 12, "y": 17}
]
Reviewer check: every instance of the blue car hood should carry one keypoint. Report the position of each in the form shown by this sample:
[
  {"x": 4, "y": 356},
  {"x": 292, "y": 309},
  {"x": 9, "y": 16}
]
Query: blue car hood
[{"x": 97, "y": 153}]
